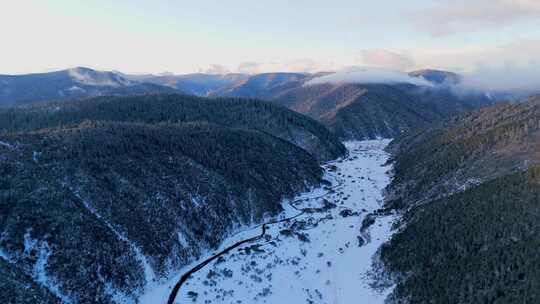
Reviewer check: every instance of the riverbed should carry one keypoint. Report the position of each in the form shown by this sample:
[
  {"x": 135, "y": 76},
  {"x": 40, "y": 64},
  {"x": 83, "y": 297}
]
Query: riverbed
[{"x": 319, "y": 256}]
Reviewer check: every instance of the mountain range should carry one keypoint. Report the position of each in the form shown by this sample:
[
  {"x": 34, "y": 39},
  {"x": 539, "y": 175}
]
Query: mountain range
[
  {"x": 69, "y": 84},
  {"x": 349, "y": 110},
  {"x": 362, "y": 110},
  {"x": 111, "y": 182}
]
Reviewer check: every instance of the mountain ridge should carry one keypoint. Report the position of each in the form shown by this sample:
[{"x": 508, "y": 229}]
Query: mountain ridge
[
  {"x": 69, "y": 84},
  {"x": 255, "y": 114},
  {"x": 361, "y": 110}
]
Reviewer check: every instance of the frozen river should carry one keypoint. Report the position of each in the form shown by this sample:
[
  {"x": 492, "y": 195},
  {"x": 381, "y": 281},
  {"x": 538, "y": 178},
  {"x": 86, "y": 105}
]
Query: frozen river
[{"x": 320, "y": 256}]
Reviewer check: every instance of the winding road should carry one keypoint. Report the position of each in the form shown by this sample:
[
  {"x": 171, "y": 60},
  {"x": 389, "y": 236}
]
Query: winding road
[
  {"x": 183, "y": 279},
  {"x": 201, "y": 265}
]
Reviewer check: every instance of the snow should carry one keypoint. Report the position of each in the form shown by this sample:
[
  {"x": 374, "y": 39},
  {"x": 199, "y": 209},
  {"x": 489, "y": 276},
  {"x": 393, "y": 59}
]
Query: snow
[
  {"x": 148, "y": 271},
  {"x": 40, "y": 272},
  {"x": 182, "y": 240},
  {"x": 75, "y": 88},
  {"x": 197, "y": 200},
  {"x": 35, "y": 156},
  {"x": 7, "y": 145},
  {"x": 117, "y": 296},
  {"x": 29, "y": 243},
  {"x": 95, "y": 78},
  {"x": 313, "y": 258},
  {"x": 4, "y": 255},
  {"x": 469, "y": 183},
  {"x": 42, "y": 251}
]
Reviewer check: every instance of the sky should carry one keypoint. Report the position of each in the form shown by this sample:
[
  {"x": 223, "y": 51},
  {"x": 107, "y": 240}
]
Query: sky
[{"x": 143, "y": 36}]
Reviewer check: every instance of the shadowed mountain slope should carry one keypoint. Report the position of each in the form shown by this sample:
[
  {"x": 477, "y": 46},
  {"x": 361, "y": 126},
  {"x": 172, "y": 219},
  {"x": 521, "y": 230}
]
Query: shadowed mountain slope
[{"x": 361, "y": 110}]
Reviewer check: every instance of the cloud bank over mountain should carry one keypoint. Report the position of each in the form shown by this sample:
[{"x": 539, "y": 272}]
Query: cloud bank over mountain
[
  {"x": 368, "y": 75},
  {"x": 506, "y": 78}
]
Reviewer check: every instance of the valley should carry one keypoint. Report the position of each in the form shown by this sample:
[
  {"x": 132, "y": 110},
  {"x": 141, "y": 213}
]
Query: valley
[
  {"x": 276, "y": 152},
  {"x": 320, "y": 249},
  {"x": 170, "y": 197}
]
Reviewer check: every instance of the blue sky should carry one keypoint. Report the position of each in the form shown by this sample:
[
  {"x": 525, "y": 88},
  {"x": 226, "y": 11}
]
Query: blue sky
[{"x": 140, "y": 36}]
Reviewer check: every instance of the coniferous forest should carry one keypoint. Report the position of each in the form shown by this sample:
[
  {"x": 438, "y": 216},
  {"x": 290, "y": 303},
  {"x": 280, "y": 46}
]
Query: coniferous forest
[{"x": 471, "y": 204}]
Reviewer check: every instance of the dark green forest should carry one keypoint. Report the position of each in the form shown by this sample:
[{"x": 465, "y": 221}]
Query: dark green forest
[
  {"x": 469, "y": 189},
  {"x": 479, "y": 246},
  {"x": 175, "y": 108},
  {"x": 96, "y": 184},
  {"x": 478, "y": 146},
  {"x": 367, "y": 111}
]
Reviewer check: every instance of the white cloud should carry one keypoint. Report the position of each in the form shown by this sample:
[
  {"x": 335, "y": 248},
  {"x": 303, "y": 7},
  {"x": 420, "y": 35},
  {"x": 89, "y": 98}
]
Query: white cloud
[
  {"x": 505, "y": 78},
  {"x": 249, "y": 67},
  {"x": 452, "y": 16},
  {"x": 215, "y": 69},
  {"x": 368, "y": 75},
  {"x": 469, "y": 58},
  {"x": 386, "y": 59},
  {"x": 289, "y": 66}
]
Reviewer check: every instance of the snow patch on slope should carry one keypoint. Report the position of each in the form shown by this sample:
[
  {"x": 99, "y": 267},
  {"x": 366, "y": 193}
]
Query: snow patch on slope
[
  {"x": 7, "y": 145},
  {"x": 39, "y": 271},
  {"x": 148, "y": 271},
  {"x": 95, "y": 78},
  {"x": 75, "y": 88},
  {"x": 4, "y": 255}
]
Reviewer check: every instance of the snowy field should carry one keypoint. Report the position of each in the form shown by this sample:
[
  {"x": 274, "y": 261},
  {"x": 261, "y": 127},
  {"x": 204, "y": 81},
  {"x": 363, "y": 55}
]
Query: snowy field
[{"x": 321, "y": 256}]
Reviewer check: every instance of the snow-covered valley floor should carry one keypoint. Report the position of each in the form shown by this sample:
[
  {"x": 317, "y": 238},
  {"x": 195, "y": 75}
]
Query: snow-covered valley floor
[{"x": 320, "y": 256}]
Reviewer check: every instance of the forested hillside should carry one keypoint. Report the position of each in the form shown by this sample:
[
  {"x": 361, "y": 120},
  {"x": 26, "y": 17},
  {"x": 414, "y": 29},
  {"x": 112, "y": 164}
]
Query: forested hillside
[
  {"x": 235, "y": 113},
  {"x": 479, "y": 246},
  {"x": 362, "y": 110},
  {"x": 100, "y": 197},
  {"x": 470, "y": 193},
  {"x": 465, "y": 151}
]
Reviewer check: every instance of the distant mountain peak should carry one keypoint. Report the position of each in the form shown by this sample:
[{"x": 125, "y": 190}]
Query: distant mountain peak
[
  {"x": 91, "y": 77},
  {"x": 74, "y": 83}
]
